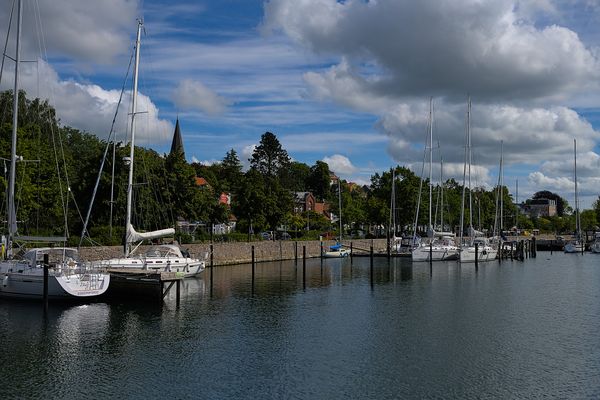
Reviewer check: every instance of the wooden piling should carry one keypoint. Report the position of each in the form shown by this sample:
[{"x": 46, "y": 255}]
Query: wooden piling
[
  {"x": 511, "y": 251},
  {"x": 211, "y": 269},
  {"x": 296, "y": 252},
  {"x": 371, "y": 264},
  {"x": 178, "y": 291},
  {"x": 45, "y": 292},
  {"x": 304, "y": 267},
  {"x": 431, "y": 253},
  {"x": 476, "y": 255},
  {"x": 253, "y": 269}
]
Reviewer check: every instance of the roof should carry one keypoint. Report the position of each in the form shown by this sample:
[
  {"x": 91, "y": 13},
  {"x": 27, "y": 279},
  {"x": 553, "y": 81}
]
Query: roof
[{"x": 200, "y": 181}]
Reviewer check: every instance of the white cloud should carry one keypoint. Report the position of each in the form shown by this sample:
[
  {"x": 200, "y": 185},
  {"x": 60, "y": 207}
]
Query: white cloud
[
  {"x": 340, "y": 164},
  {"x": 91, "y": 108},
  {"x": 191, "y": 94},
  {"x": 91, "y": 31},
  {"x": 445, "y": 49}
]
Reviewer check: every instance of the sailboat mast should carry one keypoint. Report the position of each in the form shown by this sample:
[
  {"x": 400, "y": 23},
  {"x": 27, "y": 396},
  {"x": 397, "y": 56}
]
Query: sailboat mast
[
  {"x": 430, "y": 227},
  {"x": 12, "y": 217},
  {"x": 501, "y": 190},
  {"x": 132, "y": 143},
  {"x": 442, "y": 194},
  {"x": 393, "y": 203},
  {"x": 464, "y": 185},
  {"x": 577, "y": 224},
  {"x": 340, "y": 206},
  {"x": 469, "y": 171}
]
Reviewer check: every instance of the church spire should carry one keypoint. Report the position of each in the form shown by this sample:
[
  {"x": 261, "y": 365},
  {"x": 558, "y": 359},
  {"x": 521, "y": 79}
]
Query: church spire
[{"x": 177, "y": 144}]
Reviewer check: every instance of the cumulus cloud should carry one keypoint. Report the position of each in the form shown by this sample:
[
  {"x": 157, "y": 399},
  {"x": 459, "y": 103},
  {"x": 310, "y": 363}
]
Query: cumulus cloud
[
  {"x": 91, "y": 31},
  {"x": 191, "y": 94},
  {"x": 340, "y": 164},
  {"x": 90, "y": 107},
  {"x": 441, "y": 48}
]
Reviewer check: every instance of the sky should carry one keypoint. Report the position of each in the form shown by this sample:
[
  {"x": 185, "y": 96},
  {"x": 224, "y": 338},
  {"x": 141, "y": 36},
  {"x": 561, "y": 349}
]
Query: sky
[{"x": 346, "y": 82}]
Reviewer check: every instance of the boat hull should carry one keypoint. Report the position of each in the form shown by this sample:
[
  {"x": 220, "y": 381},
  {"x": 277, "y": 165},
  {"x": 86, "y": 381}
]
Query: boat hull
[
  {"x": 188, "y": 266},
  {"x": 61, "y": 287},
  {"x": 438, "y": 253},
  {"x": 484, "y": 253},
  {"x": 573, "y": 248}
]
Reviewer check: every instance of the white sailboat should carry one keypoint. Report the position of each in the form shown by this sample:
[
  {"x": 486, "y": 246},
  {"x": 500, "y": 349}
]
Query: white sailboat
[
  {"x": 157, "y": 258},
  {"x": 576, "y": 245},
  {"x": 595, "y": 246},
  {"x": 478, "y": 248},
  {"x": 23, "y": 277},
  {"x": 338, "y": 250},
  {"x": 441, "y": 246}
]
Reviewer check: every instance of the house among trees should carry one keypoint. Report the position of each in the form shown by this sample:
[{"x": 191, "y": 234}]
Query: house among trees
[
  {"x": 536, "y": 208},
  {"x": 306, "y": 201}
]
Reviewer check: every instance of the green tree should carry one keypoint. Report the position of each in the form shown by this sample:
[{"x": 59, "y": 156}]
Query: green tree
[
  {"x": 319, "y": 180},
  {"x": 269, "y": 158}
]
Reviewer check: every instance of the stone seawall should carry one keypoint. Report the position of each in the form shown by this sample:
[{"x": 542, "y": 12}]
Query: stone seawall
[{"x": 241, "y": 252}]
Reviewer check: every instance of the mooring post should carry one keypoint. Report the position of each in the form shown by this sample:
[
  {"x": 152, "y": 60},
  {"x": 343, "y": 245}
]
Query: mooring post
[
  {"x": 499, "y": 255},
  {"x": 551, "y": 246},
  {"x": 304, "y": 267},
  {"x": 178, "y": 291},
  {"x": 476, "y": 255},
  {"x": 511, "y": 251},
  {"x": 431, "y": 253},
  {"x": 45, "y": 293},
  {"x": 582, "y": 248},
  {"x": 253, "y": 268},
  {"x": 296, "y": 252},
  {"x": 371, "y": 263},
  {"x": 211, "y": 269}
]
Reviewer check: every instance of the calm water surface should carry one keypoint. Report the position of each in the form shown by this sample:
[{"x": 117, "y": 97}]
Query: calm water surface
[{"x": 515, "y": 330}]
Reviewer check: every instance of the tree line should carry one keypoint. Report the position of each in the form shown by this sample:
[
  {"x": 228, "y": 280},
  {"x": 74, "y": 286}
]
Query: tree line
[{"x": 60, "y": 165}]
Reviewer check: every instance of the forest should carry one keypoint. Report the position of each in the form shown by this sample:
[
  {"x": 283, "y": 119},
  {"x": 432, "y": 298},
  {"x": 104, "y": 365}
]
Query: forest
[{"x": 58, "y": 167}]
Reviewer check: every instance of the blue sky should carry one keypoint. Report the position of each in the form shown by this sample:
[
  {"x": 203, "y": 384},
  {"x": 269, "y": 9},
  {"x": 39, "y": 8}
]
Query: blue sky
[{"x": 344, "y": 82}]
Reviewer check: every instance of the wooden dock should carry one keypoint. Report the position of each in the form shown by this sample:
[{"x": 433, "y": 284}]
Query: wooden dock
[{"x": 142, "y": 285}]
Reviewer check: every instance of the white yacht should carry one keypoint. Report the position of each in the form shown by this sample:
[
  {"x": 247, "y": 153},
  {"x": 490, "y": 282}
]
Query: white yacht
[
  {"x": 442, "y": 248},
  {"x": 485, "y": 251},
  {"x": 68, "y": 278}
]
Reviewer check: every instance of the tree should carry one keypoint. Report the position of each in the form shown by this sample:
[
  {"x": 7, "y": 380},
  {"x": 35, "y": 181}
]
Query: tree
[
  {"x": 319, "y": 180},
  {"x": 231, "y": 168},
  {"x": 269, "y": 158}
]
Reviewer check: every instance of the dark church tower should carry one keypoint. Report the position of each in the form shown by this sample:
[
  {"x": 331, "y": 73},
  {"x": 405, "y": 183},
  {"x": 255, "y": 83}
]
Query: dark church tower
[{"x": 177, "y": 145}]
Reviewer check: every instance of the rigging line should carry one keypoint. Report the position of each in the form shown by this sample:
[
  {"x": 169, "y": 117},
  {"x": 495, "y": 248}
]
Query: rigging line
[
  {"x": 12, "y": 9},
  {"x": 110, "y": 134},
  {"x": 420, "y": 192}
]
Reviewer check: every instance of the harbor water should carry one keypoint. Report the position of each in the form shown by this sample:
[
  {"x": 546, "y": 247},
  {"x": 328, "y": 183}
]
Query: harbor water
[{"x": 507, "y": 330}]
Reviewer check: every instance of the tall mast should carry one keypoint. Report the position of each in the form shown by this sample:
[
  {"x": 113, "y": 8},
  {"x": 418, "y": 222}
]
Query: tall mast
[
  {"x": 132, "y": 143},
  {"x": 430, "y": 227},
  {"x": 12, "y": 217},
  {"x": 501, "y": 190},
  {"x": 470, "y": 160},
  {"x": 340, "y": 206},
  {"x": 577, "y": 224},
  {"x": 441, "y": 194},
  {"x": 393, "y": 203},
  {"x": 517, "y": 200},
  {"x": 464, "y": 185}
]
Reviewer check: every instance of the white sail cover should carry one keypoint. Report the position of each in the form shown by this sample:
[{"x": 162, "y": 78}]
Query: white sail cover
[{"x": 133, "y": 236}]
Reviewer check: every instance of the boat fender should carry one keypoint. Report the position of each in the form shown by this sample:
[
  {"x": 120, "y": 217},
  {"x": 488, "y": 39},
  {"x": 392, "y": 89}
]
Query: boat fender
[{"x": 5, "y": 280}]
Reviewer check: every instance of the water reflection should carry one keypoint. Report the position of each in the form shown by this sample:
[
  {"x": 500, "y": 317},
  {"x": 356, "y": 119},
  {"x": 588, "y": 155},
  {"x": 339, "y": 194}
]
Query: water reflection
[{"x": 334, "y": 330}]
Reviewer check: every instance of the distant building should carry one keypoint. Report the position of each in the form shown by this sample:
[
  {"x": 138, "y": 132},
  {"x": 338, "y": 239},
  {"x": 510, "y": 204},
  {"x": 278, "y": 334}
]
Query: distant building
[
  {"x": 536, "y": 208},
  {"x": 306, "y": 201}
]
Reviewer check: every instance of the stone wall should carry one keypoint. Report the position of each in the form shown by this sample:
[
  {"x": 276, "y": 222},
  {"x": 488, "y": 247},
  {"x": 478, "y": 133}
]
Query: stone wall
[{"x": 241, "y": 252}]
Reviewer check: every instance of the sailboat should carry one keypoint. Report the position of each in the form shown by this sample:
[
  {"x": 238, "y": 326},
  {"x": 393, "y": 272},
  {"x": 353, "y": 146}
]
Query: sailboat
[
  {"x": 576, "y": 245},
  {"x": 23, "y": 277},
  {"x": 441, "y": 246},
  {"x": 478, "y": 247},
  {"x": 165, "y": 257},
  {"x": 338, "y": 250}
]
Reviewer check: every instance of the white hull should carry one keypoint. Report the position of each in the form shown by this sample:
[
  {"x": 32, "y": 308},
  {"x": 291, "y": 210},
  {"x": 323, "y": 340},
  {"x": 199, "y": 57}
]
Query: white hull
[
  {"x": 438, "y": 253},
  {"x": 337, "y": 253},
  {"x": 573, "y": 247},
  {"x": 29, "y": 284},
  {"x": 189, "y": 266},
  {"x": 595, "y": 247},
  {"x": 485, "y": 253}
]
